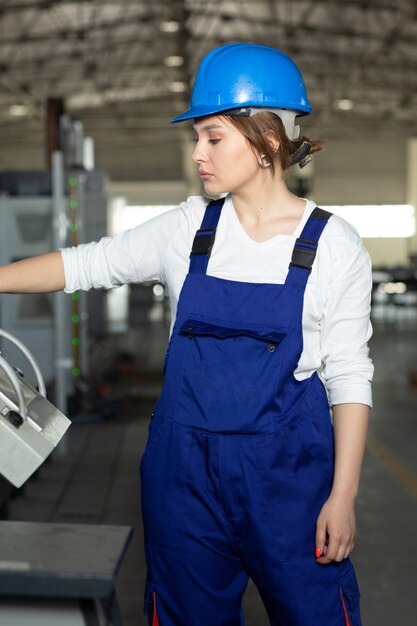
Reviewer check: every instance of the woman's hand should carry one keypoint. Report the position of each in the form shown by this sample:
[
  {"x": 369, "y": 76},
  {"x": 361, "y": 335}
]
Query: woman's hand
[{"x": 336, "y": 530}]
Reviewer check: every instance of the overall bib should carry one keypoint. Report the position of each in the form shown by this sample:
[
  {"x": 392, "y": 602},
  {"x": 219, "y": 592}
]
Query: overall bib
[{"x": 240, "y": 456}]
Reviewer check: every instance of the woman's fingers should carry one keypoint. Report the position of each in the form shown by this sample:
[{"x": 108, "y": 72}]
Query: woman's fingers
[
  {"x": 349, "y": 549},
  {"x": 332, "y": 550},
  {"x": 320, "y": 538},
  {"x": 339, "y": 548}
]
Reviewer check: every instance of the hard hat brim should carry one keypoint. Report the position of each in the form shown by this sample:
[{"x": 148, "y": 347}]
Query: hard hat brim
[{"x": 194, "y": 112}]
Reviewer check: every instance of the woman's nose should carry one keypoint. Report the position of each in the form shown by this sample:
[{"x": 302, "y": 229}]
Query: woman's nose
[{"x": 198, "y": 154}]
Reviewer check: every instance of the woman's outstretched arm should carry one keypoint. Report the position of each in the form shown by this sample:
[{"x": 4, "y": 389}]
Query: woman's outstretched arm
[{"x": 39, "y": 274}]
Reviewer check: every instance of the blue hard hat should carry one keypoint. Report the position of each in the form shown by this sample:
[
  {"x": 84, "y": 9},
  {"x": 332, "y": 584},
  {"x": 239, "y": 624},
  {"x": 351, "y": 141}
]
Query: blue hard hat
[{"x": 244, "y": 75}]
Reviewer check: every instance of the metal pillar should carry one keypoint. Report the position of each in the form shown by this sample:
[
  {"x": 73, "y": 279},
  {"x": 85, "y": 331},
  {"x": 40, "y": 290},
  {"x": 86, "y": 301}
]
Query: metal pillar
[
  {"x": 54, "y": 109},
  {"x": 411, "y": 185},
  {"x": 63, "y": 361},
  {"x": 79, "y": 309}
]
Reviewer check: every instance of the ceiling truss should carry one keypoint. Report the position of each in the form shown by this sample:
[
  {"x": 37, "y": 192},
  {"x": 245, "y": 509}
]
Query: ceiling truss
[{"x": 109, "y": 60}]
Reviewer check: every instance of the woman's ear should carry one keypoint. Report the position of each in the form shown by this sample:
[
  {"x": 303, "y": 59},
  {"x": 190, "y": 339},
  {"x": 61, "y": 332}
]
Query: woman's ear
[{"x": 273, "y": 140}]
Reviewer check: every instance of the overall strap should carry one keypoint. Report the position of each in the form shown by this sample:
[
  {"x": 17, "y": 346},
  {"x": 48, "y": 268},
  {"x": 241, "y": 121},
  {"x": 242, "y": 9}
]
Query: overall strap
[
  {"x": 204, "y": 238},
  {"x": 305, "y": 248}
]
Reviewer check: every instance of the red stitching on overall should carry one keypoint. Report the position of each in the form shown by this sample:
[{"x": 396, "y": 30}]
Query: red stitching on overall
[
  {"x": 348, "y": 622},
  {"x": 155, "y": 620}
]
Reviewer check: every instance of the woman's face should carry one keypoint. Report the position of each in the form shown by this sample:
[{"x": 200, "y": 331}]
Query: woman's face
[{"x": 225, "y": 159}]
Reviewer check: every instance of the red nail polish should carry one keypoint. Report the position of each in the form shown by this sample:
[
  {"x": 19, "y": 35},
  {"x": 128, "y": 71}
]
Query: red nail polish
[{"x": 318, "y": 553}]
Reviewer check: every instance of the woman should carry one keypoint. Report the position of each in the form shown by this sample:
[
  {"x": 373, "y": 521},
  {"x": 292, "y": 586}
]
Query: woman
[{"x": 243, "y": 475}]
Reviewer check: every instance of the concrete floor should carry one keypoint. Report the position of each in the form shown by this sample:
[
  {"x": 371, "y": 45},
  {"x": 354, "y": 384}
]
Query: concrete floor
[{"x": 94, "y": 478}]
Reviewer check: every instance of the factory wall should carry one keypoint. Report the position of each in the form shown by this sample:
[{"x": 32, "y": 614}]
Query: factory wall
[
  {"x": 366, "y": 172},
  {"x": 14, "y": 157},
  {"x": 388, "y": 252},
  {"x": 145, "y": 162},
  {"x": 149, "y": 192},
  {"x": 120, "y": 161},
  {"x": 361, "y": 172}
]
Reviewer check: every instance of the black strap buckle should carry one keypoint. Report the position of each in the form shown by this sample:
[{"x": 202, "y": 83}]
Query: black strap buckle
[
  {"x": 303, "y": 255},
  {"x": 203, "y": 241}
]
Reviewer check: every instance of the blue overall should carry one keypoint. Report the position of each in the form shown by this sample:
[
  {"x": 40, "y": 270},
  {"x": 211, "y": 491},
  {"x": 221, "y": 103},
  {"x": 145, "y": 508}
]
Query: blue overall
[{"x": 240, "y": 455}]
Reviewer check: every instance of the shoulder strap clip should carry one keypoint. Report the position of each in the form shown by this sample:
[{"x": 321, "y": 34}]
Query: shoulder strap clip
[
  {"x": 304, "y": 253},
  {"x": 203, "y": 241}
]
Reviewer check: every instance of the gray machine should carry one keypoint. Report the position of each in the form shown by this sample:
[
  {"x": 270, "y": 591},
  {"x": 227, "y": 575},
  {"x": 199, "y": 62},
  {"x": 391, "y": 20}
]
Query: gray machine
[{"x": 30, "y": 426}]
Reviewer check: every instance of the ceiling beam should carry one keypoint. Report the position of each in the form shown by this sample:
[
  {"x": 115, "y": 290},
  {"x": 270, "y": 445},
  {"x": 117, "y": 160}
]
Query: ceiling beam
[{"x": 80, "y": 31}]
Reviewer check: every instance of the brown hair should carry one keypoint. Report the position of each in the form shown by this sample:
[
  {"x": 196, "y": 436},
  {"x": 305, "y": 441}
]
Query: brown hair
[{"x": 256, "y": 129}]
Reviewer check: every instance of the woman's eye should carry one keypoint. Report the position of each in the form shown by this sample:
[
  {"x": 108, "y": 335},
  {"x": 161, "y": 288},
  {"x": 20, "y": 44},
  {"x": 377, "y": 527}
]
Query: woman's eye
[{"x": 214, "y": 141}]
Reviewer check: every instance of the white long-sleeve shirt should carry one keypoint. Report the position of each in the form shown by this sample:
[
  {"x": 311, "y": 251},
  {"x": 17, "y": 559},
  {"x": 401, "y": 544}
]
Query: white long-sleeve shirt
[{"x": 336, "y": 324}]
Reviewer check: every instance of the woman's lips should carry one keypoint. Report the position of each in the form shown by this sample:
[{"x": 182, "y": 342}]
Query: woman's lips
[{"x": 204, "y": 175}]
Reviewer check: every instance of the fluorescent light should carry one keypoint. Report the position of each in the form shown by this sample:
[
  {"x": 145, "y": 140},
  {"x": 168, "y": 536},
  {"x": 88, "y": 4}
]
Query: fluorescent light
[
  {"x": 169, "y": 26},
  {"x": 178, "y": 86},
  {"x": 344, "y": 104},
  {"x": 378, "y": 220},
  {"x": 391, "y": 288},
  {"x": 174, "y": 61},
  {"x": 18, "y": 110},
  {"x": 158, "y": 290}
]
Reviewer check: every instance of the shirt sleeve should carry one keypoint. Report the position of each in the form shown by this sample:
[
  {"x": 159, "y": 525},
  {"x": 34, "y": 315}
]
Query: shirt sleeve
[
  {"x": 134, "y": 256},
  {"x": 347, "y": 370}
]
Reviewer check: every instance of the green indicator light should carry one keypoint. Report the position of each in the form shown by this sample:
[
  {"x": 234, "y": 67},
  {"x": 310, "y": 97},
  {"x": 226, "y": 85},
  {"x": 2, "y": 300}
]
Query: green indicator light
[
  {"x": 75, "y": 319},
  {"x": 75, "y": 296},
  {"x": 72, "y": 181},
  {"x": 73, "y": 204},
  {"x": 76, "y": 371},
  {"x": 75, "y": 341},
  {"x": 73, "y": 228}
]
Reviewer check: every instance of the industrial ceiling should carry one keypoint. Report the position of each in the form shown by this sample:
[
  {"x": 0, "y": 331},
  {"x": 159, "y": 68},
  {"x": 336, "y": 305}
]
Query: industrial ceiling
[{"x": 125, "y": 67}]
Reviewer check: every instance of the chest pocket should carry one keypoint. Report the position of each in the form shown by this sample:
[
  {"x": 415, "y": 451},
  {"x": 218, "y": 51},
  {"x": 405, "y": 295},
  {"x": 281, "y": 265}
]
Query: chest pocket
[{"x": 229, "y": 372}]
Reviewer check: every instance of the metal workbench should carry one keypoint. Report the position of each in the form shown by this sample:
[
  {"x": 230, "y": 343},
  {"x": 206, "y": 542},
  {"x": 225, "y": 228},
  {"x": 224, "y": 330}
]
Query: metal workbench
[{"x": 60, "y": 574}]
